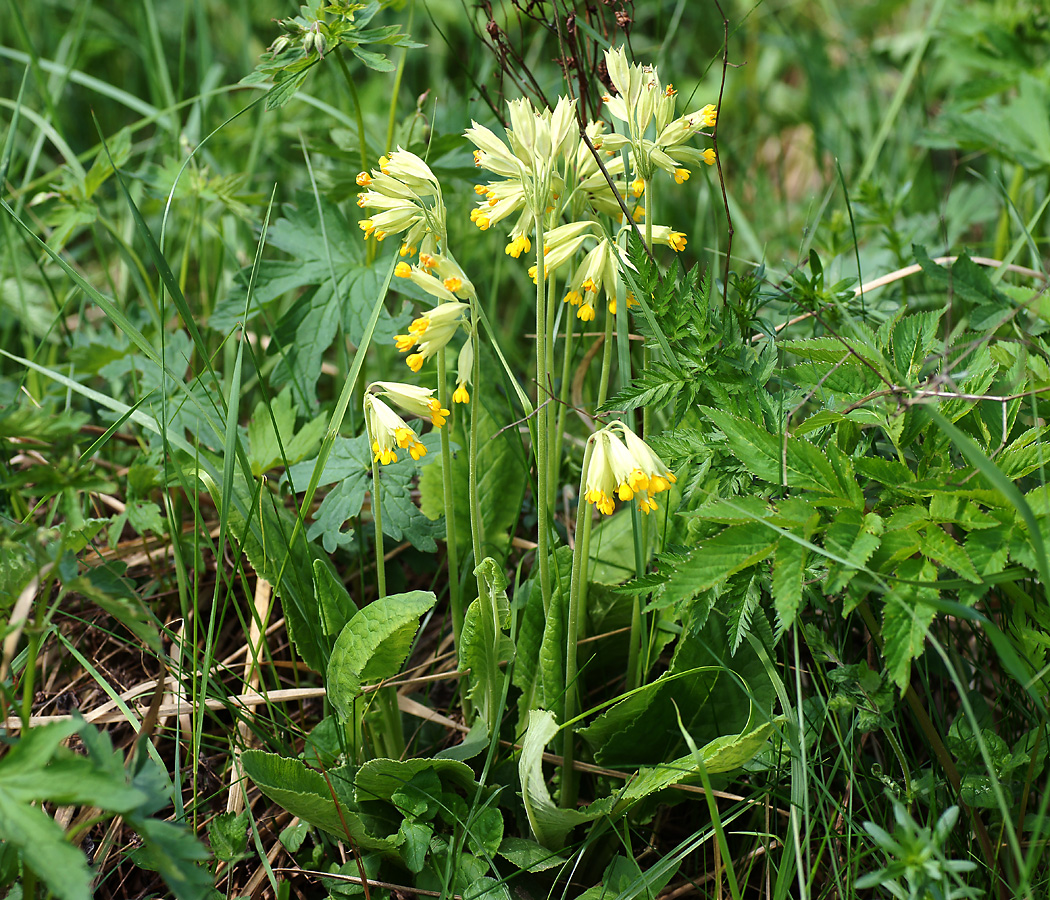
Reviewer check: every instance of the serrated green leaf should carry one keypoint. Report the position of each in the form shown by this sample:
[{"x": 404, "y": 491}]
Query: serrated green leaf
[
  {"x": 941, "y": 548},
  {"x": 715, "y": 559},
  {"x": 789, "y": 569},
  {"x": 884, "y": 471},
  {"x": 61, "y": 866},
  {"x": 771, "y": 457},
  {"x": 374, "y": 645},
  {"x": 906, "y": 619},
  {"x": 912, "y": 340}
]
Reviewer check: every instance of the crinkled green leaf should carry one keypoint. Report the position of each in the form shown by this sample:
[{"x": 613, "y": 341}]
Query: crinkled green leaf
[{"x": 374, "y": 645}]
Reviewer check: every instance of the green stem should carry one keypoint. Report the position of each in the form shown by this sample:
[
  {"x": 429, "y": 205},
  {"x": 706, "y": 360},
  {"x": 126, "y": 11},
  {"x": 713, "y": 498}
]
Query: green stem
[
  {"x": 574, "y": 615},
  {"x": 451, "y": 544},
  {"x": 550, "y": 419},
  {"x": 370, "y": 246},
  {"x": 397, "y": 82},
  {"x": 392, "y": 734},
  {"x": 647, "y": 360},
  {"x": 1002, "y": 228},
  {"x": 377, "y": 518},
  {"x": 358, "y": 114},
  {"x": 541, "y": 431},
  {"x": 566, "y": 383},
  {"x": 30, "y": 675},
  {"x": 603, "y": 379},
  {"x": 477, "y": 534}
]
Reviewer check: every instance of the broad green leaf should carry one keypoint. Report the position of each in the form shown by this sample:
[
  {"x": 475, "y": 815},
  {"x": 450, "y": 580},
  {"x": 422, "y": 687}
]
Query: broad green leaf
[
  {"x": 383, "y": 778},
  {"x": 483, "y": 644},
  {"x": 485, "y": 832},
  {"x": 374, "y": 645},
  {"x": 532, "y": 624},
  {"x": 333, "y": 602},
  {"x": 264, "y": 447},
  {"x": 744, "y": 690},
  {"x": 641, "y": 729},
  {"x": 720, "y": 755},
  {"x": 550, "y": 824},
  {"x": 528, "y": 856},
  {"x": 228, "y": 835},
  {"x": 551, "y": 668},
  {"x": 306, "y": 794}
]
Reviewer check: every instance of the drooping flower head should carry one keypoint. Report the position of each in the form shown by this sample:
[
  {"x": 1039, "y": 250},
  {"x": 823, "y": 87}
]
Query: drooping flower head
[
  {"x": 407, "y": 195},
  {"x": 414, "y": 400},
  {"x": 388, "y": 432},
  {"x": 599, "y": 269},
  {"x": 430, "y": 332},
  {"x": 623, "y": 466}
]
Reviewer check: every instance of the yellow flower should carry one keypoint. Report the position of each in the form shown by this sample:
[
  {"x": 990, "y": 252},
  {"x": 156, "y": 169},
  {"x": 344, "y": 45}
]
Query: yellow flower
[
  {"x": 414, "y": 400},
  {"x": 681, "y": 176},
  {"x": 431, "y": 331},
  {"x": 622, "y": 466},
  {"x": 464, "y": 371},
  {"x": 388, "y": 431},
  {"x": 407, "y": 197},
  {"x": 518, "y": 245}
]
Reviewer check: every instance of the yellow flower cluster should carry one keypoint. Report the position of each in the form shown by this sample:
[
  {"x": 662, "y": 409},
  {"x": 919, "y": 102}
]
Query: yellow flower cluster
[
  {"x": 430, "y": 332},
  {"x": 639, "y": 102},
  {"x": 407, "y": 195},
  {"x": 387, "y": 430},
  {"x": 623, "y": 466}
]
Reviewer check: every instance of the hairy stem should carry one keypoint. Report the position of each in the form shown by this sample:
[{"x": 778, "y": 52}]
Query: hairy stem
[
  {"x": 541, "y": 431},
  {"x": 574, "y": 615},
  {"x": 451, "y": 546}
]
